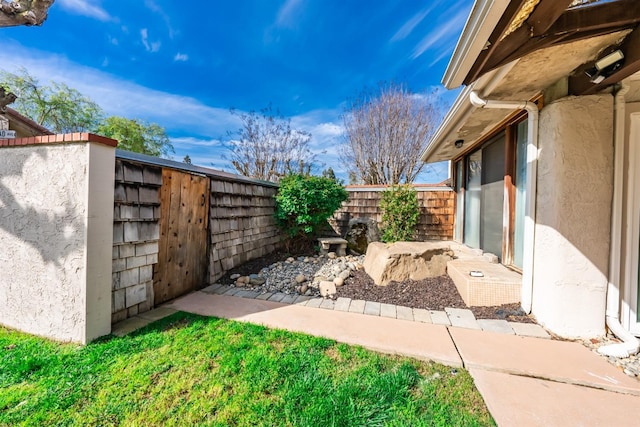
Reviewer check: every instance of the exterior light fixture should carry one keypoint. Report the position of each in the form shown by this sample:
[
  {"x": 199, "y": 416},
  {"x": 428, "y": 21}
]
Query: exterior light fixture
[
  {"x": 606, "y": 66},
  {"x": 459, "y": 143}
]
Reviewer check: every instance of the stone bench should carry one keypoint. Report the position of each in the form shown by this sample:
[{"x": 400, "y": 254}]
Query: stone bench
[{"x": 327, "y": 242}]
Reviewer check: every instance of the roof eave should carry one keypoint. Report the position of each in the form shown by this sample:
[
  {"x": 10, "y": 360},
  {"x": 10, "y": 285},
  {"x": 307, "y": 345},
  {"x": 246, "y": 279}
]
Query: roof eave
[
  {"x": 462, "y": 108},
  {"x": 482, "y": 20}
]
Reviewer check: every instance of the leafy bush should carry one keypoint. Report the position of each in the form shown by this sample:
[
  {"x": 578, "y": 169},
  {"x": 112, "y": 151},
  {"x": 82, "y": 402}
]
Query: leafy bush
[
  {"x": 400, "y": 213},
  {"x": 304, "y": 203}
]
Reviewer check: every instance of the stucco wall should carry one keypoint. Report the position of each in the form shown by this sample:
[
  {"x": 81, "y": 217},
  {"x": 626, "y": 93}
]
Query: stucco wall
[
  {"x": 55, "y": 233},
  {"x": 575, "y": 187}
]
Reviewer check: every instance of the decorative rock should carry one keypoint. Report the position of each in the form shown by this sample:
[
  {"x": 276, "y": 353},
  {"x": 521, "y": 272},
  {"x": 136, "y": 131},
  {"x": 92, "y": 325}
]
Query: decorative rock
[
  {"x": 362, "y": 232},
  {"x": 234, "y": 276},
  {"x": 290, "y": 260},
  {"x": 256, "y": 280},
  {"x": 280, "y": 277},
  {"x": 344, "y": 275},
  {"x": 406, "y": 260},
  {"x": 331, "y": 255},
  {"x": 300, "y": 278},
  {"x": 327, "y": 289},
  {"x": 338, "y": 281}
]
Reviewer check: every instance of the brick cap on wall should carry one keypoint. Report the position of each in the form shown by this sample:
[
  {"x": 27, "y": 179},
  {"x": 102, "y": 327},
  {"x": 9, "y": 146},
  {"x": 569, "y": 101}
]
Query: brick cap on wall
[{"x": 59, "y": 139}]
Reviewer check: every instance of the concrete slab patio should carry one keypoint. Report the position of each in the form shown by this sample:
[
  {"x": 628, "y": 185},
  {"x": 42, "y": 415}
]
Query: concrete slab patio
[
  {"x": 560, "y": 361},
  {"x": 516, "y": 400}
]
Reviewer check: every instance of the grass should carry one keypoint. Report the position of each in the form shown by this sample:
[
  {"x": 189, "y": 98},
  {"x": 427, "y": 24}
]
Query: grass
[{"x": 192, "y": 370}]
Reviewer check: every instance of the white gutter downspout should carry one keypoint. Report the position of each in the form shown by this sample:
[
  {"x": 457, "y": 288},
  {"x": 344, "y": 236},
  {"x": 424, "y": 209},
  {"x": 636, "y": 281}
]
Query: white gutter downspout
[
  {"x": 531, "y": 185},
  {"x": 630, "y": 344}
]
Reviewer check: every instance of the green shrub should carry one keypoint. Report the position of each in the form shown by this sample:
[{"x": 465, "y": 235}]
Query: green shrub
[
  {"x": 304, "y": 203},
  {"x": 400, "y": 213}
]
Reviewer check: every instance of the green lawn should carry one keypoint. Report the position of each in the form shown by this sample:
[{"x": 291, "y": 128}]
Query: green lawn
[{"x": 192, "y": 370}]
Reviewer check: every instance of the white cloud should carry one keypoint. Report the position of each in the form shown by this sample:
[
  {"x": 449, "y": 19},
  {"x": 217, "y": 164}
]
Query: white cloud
[
  {"x": 408, "y": 26},
  {"x": 442, "y": 35},
  {"x": 150, "y": 47},
  {"x": 121, "y": 97},
  {"x": 190, "y": 141},
  {"x": 181, "y": 57},
  {"x": 154, "y": 7},
  {"x": 288, "y": 13},
  {"x": 85, "y": 8}
]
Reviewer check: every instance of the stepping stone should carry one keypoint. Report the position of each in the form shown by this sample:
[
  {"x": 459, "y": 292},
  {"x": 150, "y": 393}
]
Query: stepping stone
[
  {"x": 314, "y": 302},
  {"x": 496, "y": 325},
  {"x": 289, "y": 299},
  {"x": 277, "y": 297},
  {"x": 221, "y": 290},
  {"x": 328, "y": 304},
  {"x": 372, "y": 308},
  {"x": 529, "y": 330},
  {"x": 388, "y": 310},
  {"x": 421, "y": 315},
  {"x": 231, "y": 291},
  {"x": 357, "y": 306},
  {"x": 211, "y": 289},
  {"x": 265, "y": 296},
  {"x": 247, "y": 294},
  {"x": 342, "y": 304},
  {"x": 439, "y": 317},
  {"x": 302, "y": 300},
  {"x": 404, "y": 313},
  {"x": 462, "y": 318}
]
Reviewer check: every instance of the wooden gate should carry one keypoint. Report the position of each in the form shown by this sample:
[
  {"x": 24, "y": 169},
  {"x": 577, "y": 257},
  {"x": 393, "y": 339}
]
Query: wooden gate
[{"x": 184, "y": 218}]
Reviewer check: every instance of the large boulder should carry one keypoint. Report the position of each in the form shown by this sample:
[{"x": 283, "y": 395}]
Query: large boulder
[
  {"x": 406, "y": 260},
  {"x": 362, "y": 232}
]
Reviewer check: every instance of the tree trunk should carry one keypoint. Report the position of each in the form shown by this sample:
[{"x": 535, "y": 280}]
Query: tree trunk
[{"x": 23, "y": 12}]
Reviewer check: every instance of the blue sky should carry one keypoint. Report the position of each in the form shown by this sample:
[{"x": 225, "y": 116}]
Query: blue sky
[{"x": 184, "y": 64}]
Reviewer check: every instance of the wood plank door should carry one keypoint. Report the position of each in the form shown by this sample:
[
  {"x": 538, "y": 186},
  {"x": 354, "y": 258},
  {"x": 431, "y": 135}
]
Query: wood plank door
[{"x": 183, "y": 247}]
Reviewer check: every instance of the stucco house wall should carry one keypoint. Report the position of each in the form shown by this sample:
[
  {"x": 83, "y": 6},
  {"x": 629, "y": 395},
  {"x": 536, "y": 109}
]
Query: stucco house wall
[
  {"x": 56, "y": 219},
  {"x": 572, "y": 232}
]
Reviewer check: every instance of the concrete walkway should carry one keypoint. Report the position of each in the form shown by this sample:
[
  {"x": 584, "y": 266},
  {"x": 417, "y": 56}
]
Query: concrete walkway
[{"x": 524, "y": 381}]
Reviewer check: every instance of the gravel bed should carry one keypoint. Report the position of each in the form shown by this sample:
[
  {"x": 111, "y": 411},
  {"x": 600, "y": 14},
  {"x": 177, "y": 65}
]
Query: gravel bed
[
  {"x": 629, "y": 365},
  {"x": 277, "y": 272}
]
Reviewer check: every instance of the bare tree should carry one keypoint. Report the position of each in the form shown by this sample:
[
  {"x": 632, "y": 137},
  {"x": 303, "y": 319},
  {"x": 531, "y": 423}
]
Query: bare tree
[
  {"x": 385, "y": 132},
  {"x": 266, "y": 147},
  {"x": 23, "y": 12}
]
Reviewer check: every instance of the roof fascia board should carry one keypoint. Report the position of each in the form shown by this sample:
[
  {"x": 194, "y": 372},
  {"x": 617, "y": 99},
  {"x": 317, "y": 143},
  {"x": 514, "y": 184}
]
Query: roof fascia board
[{"x": 483, "y": 18}]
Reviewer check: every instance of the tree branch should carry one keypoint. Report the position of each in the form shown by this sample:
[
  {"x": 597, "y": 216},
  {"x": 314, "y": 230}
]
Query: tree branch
[{"x": 23, "y": 12}]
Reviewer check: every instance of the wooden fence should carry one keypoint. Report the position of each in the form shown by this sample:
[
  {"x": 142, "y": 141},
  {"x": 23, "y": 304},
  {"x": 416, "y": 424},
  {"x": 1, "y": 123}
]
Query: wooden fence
[{"x": 436, "y": 209}]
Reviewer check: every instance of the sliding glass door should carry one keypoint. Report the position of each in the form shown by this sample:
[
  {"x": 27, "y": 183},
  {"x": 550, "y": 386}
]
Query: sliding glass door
[
  {"x": 492, "y": 196},
  {"x": 484, "y": 197}
]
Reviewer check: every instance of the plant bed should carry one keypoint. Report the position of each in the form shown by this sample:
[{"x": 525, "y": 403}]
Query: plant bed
[{"x": 434, "y": 293}]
